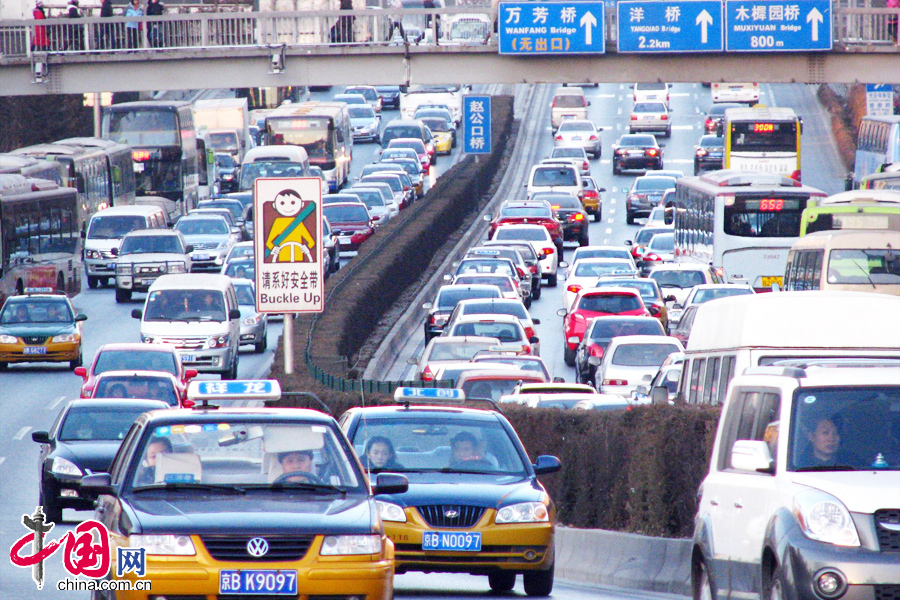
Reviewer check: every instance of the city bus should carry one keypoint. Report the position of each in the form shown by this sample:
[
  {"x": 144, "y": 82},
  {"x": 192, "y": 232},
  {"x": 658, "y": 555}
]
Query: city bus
[
  {"x": 763, "y": 138},
  {"x": 40, "y": 236},
  {"x": 323, "y": 130},
  {"x": 855, "y": 209},
  {"x": 119, "y": 167},
  {"x": 32, "y": 167},
  {"x": 743, "y": 222},
  {"x": 164, "y": 148},
  {"x": 877, "y": 145},
  {"x": 889, "y": 179}
]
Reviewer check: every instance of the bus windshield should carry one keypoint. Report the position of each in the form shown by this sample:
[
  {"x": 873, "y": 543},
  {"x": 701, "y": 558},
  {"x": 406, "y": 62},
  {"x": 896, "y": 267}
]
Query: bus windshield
[
  {"x": 313, "y": 134},
  {"x": 143, "y": 128},
  {"x": 764, "y": 137},
  {"x": 764, "y": 217},
  {"x": 864, "y": 266},
  {"x": 823, "y": 219}
]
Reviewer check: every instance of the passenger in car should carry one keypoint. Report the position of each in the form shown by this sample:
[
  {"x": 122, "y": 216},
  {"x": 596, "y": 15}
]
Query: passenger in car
[
  {"x": 380, "y": 455},
  {"x": 824, "y": 444}
]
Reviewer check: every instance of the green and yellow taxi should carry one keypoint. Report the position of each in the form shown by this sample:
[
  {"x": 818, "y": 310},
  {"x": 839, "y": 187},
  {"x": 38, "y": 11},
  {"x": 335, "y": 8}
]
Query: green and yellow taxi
[
  {"x": 474, "y": 503},
  {"x": 38, "y": 327},
  {"x": 245, "y": 502}
]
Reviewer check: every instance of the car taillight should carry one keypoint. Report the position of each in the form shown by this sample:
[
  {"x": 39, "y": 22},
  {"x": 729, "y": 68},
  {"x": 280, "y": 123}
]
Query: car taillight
[
  {"x": 574, "y": 288},
  {"x": 547, "y": 251},
  {"x": 620, "y": 151},
  {"x": 796, "y": 175},
  {"x": 652, "y": 151},
  {"x": 520, "y": 272},
  {"x": 533, "y": 268},
  {"x": 427, "y": 375},
  {"x": 615, "y": 382},
  {"x": 593, "y": 138},
  {"x": 585, "y": 166},
  {"x": 651, "y": 257},
  {"x": 701, "y": 152},
  {"x": 709, "y": 123},
  {"x": 578, "y": 217},
  {"x": 634, "y": 117},
  {"x": 526, "y": 349},
  {"x": 665, "y": 117},
  {"x": 595, "y": 350},
  {"x": 529, "y": 332},
  {"x": 559, "y": 138}
]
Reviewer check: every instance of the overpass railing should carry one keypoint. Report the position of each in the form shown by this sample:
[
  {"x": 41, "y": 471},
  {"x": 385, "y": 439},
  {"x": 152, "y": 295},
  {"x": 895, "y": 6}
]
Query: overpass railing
[{"x": 852, "y": 27}]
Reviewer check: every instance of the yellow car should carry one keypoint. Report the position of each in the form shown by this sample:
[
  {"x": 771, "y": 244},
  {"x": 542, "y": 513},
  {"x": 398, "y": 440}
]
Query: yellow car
[
  {"x": 242, "y": 502},
  {"x": 443, "y": 132},
  {"x": 40, "y": 328},
  {"x": 474, "y": 503},
  {"x": 443, "y": 142}
]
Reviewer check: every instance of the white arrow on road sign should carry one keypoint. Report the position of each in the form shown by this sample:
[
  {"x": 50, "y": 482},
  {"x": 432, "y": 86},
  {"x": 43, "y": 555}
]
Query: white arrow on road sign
[
  {"x": 588, "y": 21},
  {"x": 704, "y": 20},
  {"x": 815, "y": 17}
]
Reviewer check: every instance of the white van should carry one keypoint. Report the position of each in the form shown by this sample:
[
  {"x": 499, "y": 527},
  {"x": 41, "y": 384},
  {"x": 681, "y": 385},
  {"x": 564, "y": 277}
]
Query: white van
[
  {"x": 734, "y": 333},
  {"x": 744, "y": 93},
  {"x": 104, "y": 235},
  {"x": 199, "y": 315},
  {"x": 273, "y": 161}
]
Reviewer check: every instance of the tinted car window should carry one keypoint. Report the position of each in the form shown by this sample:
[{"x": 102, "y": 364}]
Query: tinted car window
[
  {"x": 531, "y": 235},
  {"x": 605, "y": 329},
  {"x": 642, "y": 355},
  {"x": 448, "y": 299},
  {"x": 127, "y": 360},
  {"x": 682, "y": 279},
  {"x": 554, "y": 176},
  {"x": 346, "y": 214},
  {"x": 569, "y": 101},
  {"x": 98, "y": 423},
  {"x": 515, "y": 309},
  {"x": 609, "y": 303}
]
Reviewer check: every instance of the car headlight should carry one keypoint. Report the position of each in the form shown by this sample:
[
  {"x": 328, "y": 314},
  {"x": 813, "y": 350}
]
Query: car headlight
[
  {"x": 824, "y": 518},
  {"x": 61, "y": 466},
  {"x": 95, "y": 254},
  {"x": 524, "y": 512},
  {"x": 66, "y": 337},
  {"x": 123, "y": 269},
  {"x": 217, "y": 341},
  {"x": 391, "y": 512},
  {"x": 147, "y": 339},
  {"x": 8, "y": 339},
  {"x": 175, "y": 267},
  {"x": 252, "y": 320},
  {"x": 342, "y": 545},
  {"x": 172, "y": 545}
]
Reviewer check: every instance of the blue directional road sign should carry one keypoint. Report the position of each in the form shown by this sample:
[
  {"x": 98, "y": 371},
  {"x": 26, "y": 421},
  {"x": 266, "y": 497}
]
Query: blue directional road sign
[
  {"x": 551, "y": 28},
  {"x": 683, "y": 26},
  {"x": 477, "y": 124},
  {"x": 777, "y": 25}
]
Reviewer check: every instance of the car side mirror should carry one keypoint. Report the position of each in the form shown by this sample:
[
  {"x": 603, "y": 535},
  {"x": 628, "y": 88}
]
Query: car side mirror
[
  {"x": 546, "y": 464},
  {"x": 412, "y": 360},
  {"x": 562, "y": 312},
  {"x": 137, "y": 313},
  {"x": 594, "y": 361},
  {"x": 426, "y": 305},
  {"x": 625, "y": 190},
  {"x": 536, "y": 321},
  {"x": 189, "y": 249},
  {"x": 448, "y": 277},
  {"x": 80, "y": 317},
  {"x": 563, "y": 264},
  {"x": 659, "y": 395},
  {"x": 96, "y": 484},
  {"x": 654, "y": 310},
  {"x": 588, "y": 102},
  {"x": 628, "y": 243},
  {"x": 81, "y": 372},
  {"x": 390, "y": 483},
  {"x": 534, "y": 340},
  {"x": 190, "y": 374},
  {"x": 41, "y": 437},
  {"x": 752, "y": 455},
  {"x": 601, "y": 189},
  {"x": 234, "y": 314},
  {"x": 670, "y": 298}
]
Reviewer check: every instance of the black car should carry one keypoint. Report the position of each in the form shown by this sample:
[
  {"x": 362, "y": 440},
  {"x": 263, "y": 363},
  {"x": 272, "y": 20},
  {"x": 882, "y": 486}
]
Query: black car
[
  {"x": 261, "y": 500},
  {"x": 636, "y": 151},
  {"x": 228, "y": 172},
  {"x": 709, "y": 153},
  {"x": 599, "y": 333},
  {"x": 447, "y": 298},
  {"x": 569, "y": 211},
  {"x": 474, "y": 503},
  {"x": 715, "y": 115},
  {"x": 390, "y": 96},
  {"x": 84, "y": 439}
]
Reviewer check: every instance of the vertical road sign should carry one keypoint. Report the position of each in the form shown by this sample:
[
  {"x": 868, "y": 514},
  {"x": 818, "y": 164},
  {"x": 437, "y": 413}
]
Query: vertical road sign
[
  {"x": 477, "y": 124},
  {"x": 777, "y": 25},
  {"x": 534, "y": 28},
  {"x": 683, "y": 26},
  {"x": 879, "y": 100},
  {"x": 287, "y": 228}
]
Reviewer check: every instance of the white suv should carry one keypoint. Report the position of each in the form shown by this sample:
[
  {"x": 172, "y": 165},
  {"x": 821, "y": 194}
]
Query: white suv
[{"x": 802, "y": 499}]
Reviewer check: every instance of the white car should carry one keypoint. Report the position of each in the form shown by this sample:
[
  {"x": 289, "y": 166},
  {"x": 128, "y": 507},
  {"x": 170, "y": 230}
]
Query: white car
[
  {"x": 580, "y": 133},
  {"x": 660, "y": 250},
  {"x": 651, "y": 92},
  {"x": 603, "y": 252},
  {"x": 562, "y": 177},
  {"x": 629, "y": 358},
  {"x": 677, "y": 279},
  {"x": 494, "y": 306},
  {"x": 650, "y": 116},
  {"x": 540, "y": 240},
  {"x": 585, "y": 272},
  {"x": 574, "y": 154},
  {"x": 704, "y": 293},
  {"x": 444, "y": 350},
  {"x": 745, "y": 93},
  {"x": 506, "y": 328}
]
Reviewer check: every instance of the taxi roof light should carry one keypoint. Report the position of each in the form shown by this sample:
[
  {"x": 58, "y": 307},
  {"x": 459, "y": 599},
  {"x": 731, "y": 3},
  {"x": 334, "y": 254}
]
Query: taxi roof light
[{"x": 201, "y": 392}]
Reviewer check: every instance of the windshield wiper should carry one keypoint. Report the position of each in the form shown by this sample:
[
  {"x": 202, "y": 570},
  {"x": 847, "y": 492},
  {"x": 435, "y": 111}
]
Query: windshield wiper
[
  {"x": 302, "y": 485},
  {"x": 212, "y": 487},
  {"x": 469, "y": 471},
  {"x": 827, "y": 468}
]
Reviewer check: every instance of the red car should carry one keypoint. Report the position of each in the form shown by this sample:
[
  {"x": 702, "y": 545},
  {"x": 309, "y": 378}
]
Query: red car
[
  {"x": 134, "y": 357},
  {"x": 530, "y": 212},
  {"x": 596, "y": 302},
  {"x": 351, "y": 222},
  {"x": 142, "y": 385}
]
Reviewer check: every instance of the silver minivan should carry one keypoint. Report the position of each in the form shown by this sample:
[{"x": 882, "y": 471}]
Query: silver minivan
[
  {"x": 104, "y": 235},
  {"x": 198, "y": 314}
]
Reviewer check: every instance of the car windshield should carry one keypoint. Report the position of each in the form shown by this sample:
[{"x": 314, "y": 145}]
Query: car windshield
[
  {"x": 532, "y": 365},
  {"x": 393, "y": 181},
  {"x": 368, "y": 93},
  {"x": 565, "y": 201},
  {"x": 372, "y": 199},
  {"x": 711, "y": 141},
  {"x": 449, "y": 298},
  {"x": 241, "y": 269},
  {"x": 864, "y": 266},
  {"x": 567, "y": 126},
  {"x": 392, "y": 132},
  {"x": 642, "y": 355},
  {"x": 136, "y": 360},
  {"x": 35, "y": 310},
  {"x": 84, "y": 423},
  {"x": 599, "y": 269},
  {"x": 566, "y": 152},
  {"x": 416, "y": 145},
  {"x": 610, "y": 303},
  {"x": 240, "y": 251},
  {"x": 437, "y": 443},
  {"x": 392, "y": 153},
  {"x": 608, "y": 328},
  {"x": 346, "y": 213},
  {"x": 235, "y": 208},
  {"x": 505, "y": 332},
  {"x": 485, "y": 266},
  {"x": 225, "y": 160},
  {"x": 680, "y": 279},
  {"x": 529, "y": 234},
  {"x": 245, "y": 295},
  {"x": 185, "y": 305},
  {"x": 646, "y": 234},
  {"x": 646, "y": 289},
  {"x": 547, "y": 176},
  {"x": 841, "y": 429},
  {"x": 437, "y": 124},
  {"x": 461, "y": 351},
  {"x": 653, "y": 183},
  {"x": 649, "y": 107},
  {"x": 588, "y": 252},
  {"x": 113, "y": 227},
  {"x": 202, "y": 226},
  {"x": 637, "y": 141},
  {"x": 723, "y": 292},
  {"x": 504, "y": 283},
  {"x": 493, "y": 388},
  {"x": 525, "y": 211},
  {"x": 255, "y": 454},
  {"x": 569, "y": 101},
  {"x": 651, "y": 86},
  {"x": 663, "y": 242},
  {"x": 136, "y": 386},
  {"x": 145, "y": 244},
  {"x": 516, "y": 309},
  {"x": 359, "y": 111}
]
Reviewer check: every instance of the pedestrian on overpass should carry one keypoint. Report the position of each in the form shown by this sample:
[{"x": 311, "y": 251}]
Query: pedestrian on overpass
[
  {"x": 133, "y": 28},
  {"x": 73, "y": 32},
  {"x": 155, "y": 8},
  {"x": 40, "y": 41},
  {"x": 107, "y": 31},
  {"x": 892, "y": 20}
]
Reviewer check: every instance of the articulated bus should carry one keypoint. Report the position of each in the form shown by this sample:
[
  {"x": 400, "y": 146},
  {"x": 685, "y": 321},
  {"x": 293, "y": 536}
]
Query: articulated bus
[
  {"x": 877, "y": 145},
  {"x": 40, "y": 236},
  {"x": 763, "y": 139},
  {"x": 323, "y": 130},
  {"x": 164, "y": 148},
  {"x": 855, "y": 209},
  {"x": 119, "y": 167},
  {"x": 741, "y": 221}
]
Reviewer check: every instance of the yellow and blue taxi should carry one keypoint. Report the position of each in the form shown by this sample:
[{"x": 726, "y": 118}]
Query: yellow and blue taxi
[
  {"x": 39, "y": 327},
  {"x": 474, "y": 503},
  {"x": 245, "y": 502},
  {"x": 443, "y": 133}
]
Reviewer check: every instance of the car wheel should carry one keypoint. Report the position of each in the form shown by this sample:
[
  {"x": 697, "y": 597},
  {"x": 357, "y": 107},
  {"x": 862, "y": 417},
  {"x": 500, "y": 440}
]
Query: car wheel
[
  {"x": 584, "y": 241},
  {"x": 630, "y": 130},
  {"x": 538, "y": 583},
  {"x": 551, "y": 280},
  {"x": 434, "y": 159},
  {"x": 536, "y": 290},
  {"x": 527, "y": 302},
  {"x": 93, "y": 282},
  {"x": 73, "y": 364},
  {"x": 3, "y": 366},
  {"x": 702, "y": 585},
  {"x": 122, "y": 295},
  {"x": 668, "y": 132},
  {"x": 616, "y": 169},
  {"x": 629, "y": 218},
  {"x": 232, "y": 371},
  {"x": 51, "y": 508},
  {"x": 569, "y": 356},
  {"x": 775, "y": 587},
  {"x": 503, "y": 581},
  {"x": 260, "y": 346},
  {"x": 696, "y": 168}
]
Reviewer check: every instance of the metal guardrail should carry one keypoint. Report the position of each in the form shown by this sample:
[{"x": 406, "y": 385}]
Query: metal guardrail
[{"x": 370, "y": 27}]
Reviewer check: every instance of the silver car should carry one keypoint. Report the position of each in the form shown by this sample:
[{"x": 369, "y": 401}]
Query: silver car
[
  {"x": 254, "y": 325},
  {"x": 580, "y": 133},
  {"x": 211, "y": 237},
  {"x": 650, "y": 116}
]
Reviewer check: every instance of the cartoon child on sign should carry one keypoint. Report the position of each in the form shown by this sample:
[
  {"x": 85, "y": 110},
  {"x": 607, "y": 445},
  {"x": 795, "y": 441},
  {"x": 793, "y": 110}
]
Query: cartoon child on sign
[{"x": 289, "y": 238}]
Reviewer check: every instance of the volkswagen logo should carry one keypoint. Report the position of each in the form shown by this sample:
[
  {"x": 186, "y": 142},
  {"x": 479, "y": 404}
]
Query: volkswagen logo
[
  {"x": 451, "y": 513},
  {"x": 257, "y": 547}
]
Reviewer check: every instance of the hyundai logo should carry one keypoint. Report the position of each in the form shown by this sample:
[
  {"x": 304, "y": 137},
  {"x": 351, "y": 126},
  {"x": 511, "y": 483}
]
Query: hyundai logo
[
  {"x": 257, "y": 547},
  {"x": 451, "y": 513}
]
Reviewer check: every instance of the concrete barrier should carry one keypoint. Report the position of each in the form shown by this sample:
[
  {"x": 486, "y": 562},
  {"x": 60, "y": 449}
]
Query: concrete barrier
[{"x": 624, "y": 560}]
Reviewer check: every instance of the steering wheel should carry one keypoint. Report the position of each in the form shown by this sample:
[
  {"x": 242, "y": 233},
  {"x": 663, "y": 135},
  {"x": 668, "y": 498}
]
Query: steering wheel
[{"x": 310, "y": 477}]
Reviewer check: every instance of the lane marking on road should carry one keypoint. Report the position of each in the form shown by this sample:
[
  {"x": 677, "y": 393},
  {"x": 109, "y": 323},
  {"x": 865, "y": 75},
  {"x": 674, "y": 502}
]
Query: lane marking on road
[
  {"x": 21, "y": 433},
  {"x": 605, "y": 161},
  {"x": 680, "y": 95},
  {"x": 610, "y": 221},
  {"x": 619, "y": 111},
  {"x": 682, "y": 161},
  {"x": 606, "y": 96},
  {"x": 56, "y": 403},
  {"x": 2, "y": 459},
  {"x": 682, "y": 126},
  {"x": 609, "y": 230}
]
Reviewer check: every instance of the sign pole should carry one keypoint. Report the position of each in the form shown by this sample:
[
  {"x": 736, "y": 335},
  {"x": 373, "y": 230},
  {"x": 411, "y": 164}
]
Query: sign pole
[{"x": 288, "y": 343}]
